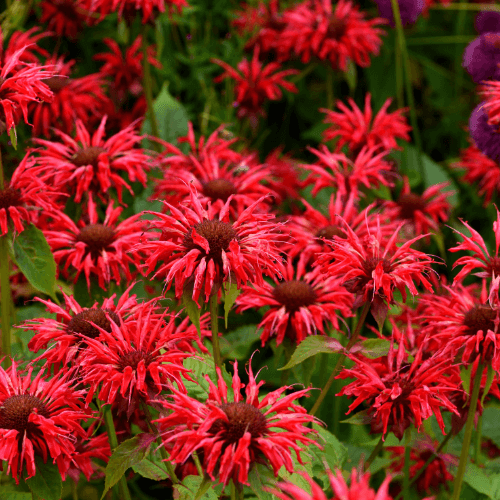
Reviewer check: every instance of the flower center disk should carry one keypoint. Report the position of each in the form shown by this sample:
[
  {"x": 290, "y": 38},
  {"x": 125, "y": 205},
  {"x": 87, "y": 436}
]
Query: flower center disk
[
  {"x": 219, "y": 189},
  {"x": 480, "y": 318},
  {"x": 87, "y": 156},
  {"x": 218, "y": 234},
  {"x": 15, "y": 411},
  {"x": 242, "y": 417},
  {"x": 80, "y": 322},
  {"x": 329, "y": 232},
  {"x": 133, "y": 359},
  {"x": 9, "y": 197},
  {"x": 56, "y": 83},
  {"x": 97, "y": 237},
  {"x": 295, "y": 294},
  {"x": 409, "y": 204}
]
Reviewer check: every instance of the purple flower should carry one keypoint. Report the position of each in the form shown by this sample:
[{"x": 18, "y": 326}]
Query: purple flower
[
  {"x": 485, "y": 136},
  {"x": 409, "y": 10},
  {"x": 481, "y": 57},
  {"x": 487, "y": 22}
]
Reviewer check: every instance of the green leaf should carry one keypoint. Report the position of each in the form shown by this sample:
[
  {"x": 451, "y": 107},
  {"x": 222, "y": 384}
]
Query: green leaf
[
  {"x": 350, "y": 76},
  {"x": 13, "y": 137},
  {"x": 465, "y": 373},
  {"x": 311, "y": 346},
  {"x": 192, "y": 310},
  {"x": 14, "y": 495},
  {"x": 489, "y": 380},
  {"x": 129, "y": 453},
  {"x": 491, "y": 429},
  {"x": 237, "y": 344},
  {"x": 47, "y": 482},
  {"x": 152, "y": 469},
  {"x": 260, "y": 479},
  {"x": 170, "y": 115},
  {"x": 231, "y": 293},
  {"x": 373, "y": 348},
  {"x": 196, "y": 488},
  {"x": 35, "y": 260},
  {"x": 360, "y": 418},
  {"x": 488, "y": 485},
  {"x": 334, "y": 453}
]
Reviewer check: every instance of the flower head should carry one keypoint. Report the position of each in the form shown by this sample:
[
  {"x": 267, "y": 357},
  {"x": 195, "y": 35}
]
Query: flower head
[
  {"x": 481, "y": 57},
  {"x": 232, "y": 436},
  {"x": 487, "y": 22},
  {"x": 195, "y": 244},
  {"x": 484, "y": 135},
  {"x": 356, "y": 128},
  {"x": 92, "y": 164},
  {"x": 128, "y": 9},
  {"x": 38, "y": 418},
  {"x": 99, "y": 249},
  {"x": 65, "y": 17}
]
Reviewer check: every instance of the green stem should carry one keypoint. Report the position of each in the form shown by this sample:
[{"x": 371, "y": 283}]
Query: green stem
[
  {"x": 406, "y": 469},
  {"x": 233, "y": 491},
  {"x": 434, "y": 40},
  {"x": 113, "y": 442},
  {"x": 407, "y": 79},
  {"x": 469, "y": 426},
  {"x": 74, "y": 490},
  {"x": 400, "y": 91},
  {"x": 466, "y": 6},
  {"x": 374, "y": 453},
  {"x": 477, "y": 448},
  {"x": 197, "y": 463},
  {"x": 429, "y": 460},
  {"x": 329, "y": 87},
  {"x": 308, "y": 69},
  {"x": 341, "y": 359},
  {"x": 147, "y": 84},
  {"x": 214, "y": 325}
]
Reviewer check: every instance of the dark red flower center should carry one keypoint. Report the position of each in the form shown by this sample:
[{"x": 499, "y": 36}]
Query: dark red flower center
[
  {"x": 87, "y": 156},
  {"x": 15, "y": 410},
  {"x": 242, "y": 417},
  {"x": 57, "y": 83},
  {"x": 480, "y": 318},
  {"x": 133, "y": 359},
  {"x": 493, "y": 265},
  {"x": 295, "y": 294},
  {"x": 409, "y": 203},
  {"x": 97, "y": 237},
  {"x": 218, "y": 234},
  {"x": 336, "y": 28},
  {"x": 80, "y": 322},
  {"x": 329, "y": 232},
  {"x": 219, "y": 189},
  {"x": 10, "y": 197},
  {"x": 371, "y": 264}
]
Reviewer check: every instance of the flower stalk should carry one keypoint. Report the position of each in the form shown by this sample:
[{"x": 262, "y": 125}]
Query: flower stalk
[
  {"x": 406, "y": 470},
  {"x": 340, "y": 362},
  {"x": 214, "y": 325},
  {"x": 375, "y": 452},
  {"x": 469, "y": 426}
]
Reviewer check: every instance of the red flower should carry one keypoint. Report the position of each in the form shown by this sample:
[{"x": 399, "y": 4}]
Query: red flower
[
  {"x": 231, "y": 436},
  {"x": 358, "y": 490},
  {"x": 74, "y": 98},
  {"x": 92, "y": 164},
  {"x": 24, "y": 197},
  {"x": 337, "y": 33},
  {"x": 38, "y": 418},
  {"x": 299, "y": 306},
  {"x": 26, "y": 40},
  {"x": 128, "y": 8},
  {"x": 216, "y": 182},
  {"x": 65, "y": 17},
  {"x": 65, "y": 333},
  {"x": 95, "y": 248},
  {"x": 194, "y": 245},
  {"x": 256, "y": 84},
  {"x": 481, "y": 169},
  {"x": 135, "y": 359},
  {"x": 372, "y": 272},
  {"x": 125, "y": 71},
  {"x": 421, "y": 212},
  {"x": 490, "y": 90},
  {"x": 21, "y": 84},
  {"x": 435, "y": 474},
  {"x": 355, "y": 128},
  {"x": 399, "y": 393},
  {"x": 368, "y": 169}
]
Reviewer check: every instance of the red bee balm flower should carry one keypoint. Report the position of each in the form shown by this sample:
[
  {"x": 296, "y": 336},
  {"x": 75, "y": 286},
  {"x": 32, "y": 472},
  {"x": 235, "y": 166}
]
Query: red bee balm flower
[
  {"x": 256, "y": 84},
  {"x": 93, "y": 163},
  {"x": 400, "y": 394},
  {"x": 234, "y": 435},
  {"x": 95, "y": 248},
  {"x": 336, "y": 32},
  {"x": 65, "y": 17},
  {"x": 38, "y": 418},
  {"x": 193, "y": 244},
  {"x": 128, "y": 8},
  {"x": 299, "y": 306},
  {"x": 355, "y": 128}
]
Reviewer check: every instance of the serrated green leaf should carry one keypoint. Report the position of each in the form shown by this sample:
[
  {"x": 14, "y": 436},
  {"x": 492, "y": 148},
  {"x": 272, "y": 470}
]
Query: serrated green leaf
[
  {"x": 373, "y": 348},
  {"x": 489, "y": 380},
  {"x": 13, "y": 137},
  {"x": 231, "y": 293},
  {"x": 237, "y": 343},
  {"x": 487, "y": 484},
  {"x": 333, "y": 452},
  {"x": 260, "y": 479},
  {"x": 46, "y": 483},
  {"x": 152, "y": 469},
  {"x": 360, "y": 418},
  {"x": 465, "y": 373},
  {"x": 35, "y": 260},
  {"x": 193, "y": 311},
  {"x": 196, "y": 488},
  {"x": 311, "y": 346}
]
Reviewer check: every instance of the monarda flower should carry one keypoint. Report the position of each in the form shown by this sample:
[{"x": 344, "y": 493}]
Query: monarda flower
[
  {"x": 134, "y": 361},
  {"x": 480, "y": 169},
  {"x": 73, "y": 324},
  {"x": 91, "y": 163},
  {"x": 26, "y": 40},
  {"x": 128, "y": 9},
  {"x": 256, "y": 84},
  {"x": 65, "y": 17},
  {"x": 356, "y": 128},
  {"x": 299, "y": 306},
  {"x": 485, "y": 136},
  {"x": 490, "y": 91},
  {"x": 38, "y": 418},
  {"x": 74, "y": 98},
  {"x": 357, "y": 490},
  {"x": 24, "y": 197},
  {"x": 98, "y": 249},
  {"x": 337, "y": 33},
  {"x": 399, "y": 393},
  {"x": 231, "y": 436},
  {"x": 420, "y": 212},
  {"x": 368, "y": 169},
  {"x": 194, "y": 245}
]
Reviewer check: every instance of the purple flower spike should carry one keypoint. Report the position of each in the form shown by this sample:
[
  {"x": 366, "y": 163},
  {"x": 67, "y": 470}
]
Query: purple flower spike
[
  {"x": 485, "y": 136},
  {"x": 482, "y": 56},
  {"x": 487, "y": 22},
  {"x": 409, "y": 10}
]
